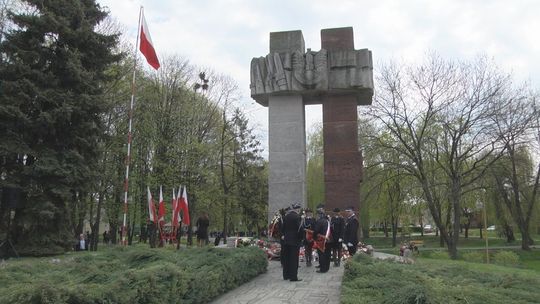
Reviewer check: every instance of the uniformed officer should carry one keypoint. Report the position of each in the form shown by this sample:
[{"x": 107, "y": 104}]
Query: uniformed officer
[
  {"x": 350, "y": 236},
  {"x": 322, "y": 232},
  {"x": 293, "y": 234},
  {"x": 338, "y": 229},
  {"x": 309, "y": 224}
]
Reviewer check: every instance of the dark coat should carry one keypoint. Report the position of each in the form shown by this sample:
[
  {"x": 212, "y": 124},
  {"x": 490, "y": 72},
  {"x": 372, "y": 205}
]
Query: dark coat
[
  {"x": 292, "y": 230},
  {"x": 351, "y": 231},
  {"x": 338, "y": 228},
  {"x": 320, "y": 227},
  {"x": 309, "y": 223}
]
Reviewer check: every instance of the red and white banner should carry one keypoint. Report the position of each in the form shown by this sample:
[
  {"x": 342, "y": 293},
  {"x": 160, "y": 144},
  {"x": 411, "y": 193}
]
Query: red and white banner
[
  {"x": 146, "y": 46},
  {"x": 162, "y": 211},
  {"x": 151, "y": 207},
  {"x": 184, "y": 206},
  {"x": 174, "y": 218}
]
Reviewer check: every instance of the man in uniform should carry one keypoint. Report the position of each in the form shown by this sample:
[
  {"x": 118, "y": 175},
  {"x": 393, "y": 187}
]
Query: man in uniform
[
  {"x": 350, "y": 236},
  {"x": 338, "y": 228},
  {"x": 322, "y": 231},
  {"x": 309, "y": 224},
  {"x": 292, "y": 234}
]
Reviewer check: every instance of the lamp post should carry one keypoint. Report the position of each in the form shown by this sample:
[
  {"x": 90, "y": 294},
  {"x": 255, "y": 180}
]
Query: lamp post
[{"x": 201, "y": 84}]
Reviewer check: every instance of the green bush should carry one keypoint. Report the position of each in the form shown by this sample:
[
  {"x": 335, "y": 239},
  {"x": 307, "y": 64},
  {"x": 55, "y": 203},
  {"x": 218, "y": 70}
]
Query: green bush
[
  {"x": 506, "y": 258},
  {"x": 474, "y": 257},
  {"x": 130, "y": 275},
  {"x": 436, "y": 281}
]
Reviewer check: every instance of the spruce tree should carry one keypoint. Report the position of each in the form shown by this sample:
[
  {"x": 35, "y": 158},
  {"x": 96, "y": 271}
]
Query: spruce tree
[{"x": 52, "y": 75}]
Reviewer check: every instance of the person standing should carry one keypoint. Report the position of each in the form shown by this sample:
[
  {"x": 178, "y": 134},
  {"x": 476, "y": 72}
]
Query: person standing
[
  {"x": 292, "y": 234},
  {"x": 82, "y": 244},
  {"x": 350, "y": 236},
  {"x": 309, "y": 225},
  {"x": 202, "y": 229},
  {"x": 321, "y": 235},
  {"x": 338, "y": 229}
]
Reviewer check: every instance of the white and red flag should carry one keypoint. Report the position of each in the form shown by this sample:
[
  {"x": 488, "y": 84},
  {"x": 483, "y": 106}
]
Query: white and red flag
[
  {"x": 161, "y": 211},
  {"x": 151, "y": 207},
  {"x": 174, "y": 218},
  {"x": 146, "y": 46},
  {"x": 184, "y": 206}
]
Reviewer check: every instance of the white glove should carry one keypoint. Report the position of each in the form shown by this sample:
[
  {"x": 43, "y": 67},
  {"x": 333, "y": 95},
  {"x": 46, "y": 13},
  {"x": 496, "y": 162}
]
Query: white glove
[
  {"x": 340, "y": 240},
  {"x": 349, "y": 245}
]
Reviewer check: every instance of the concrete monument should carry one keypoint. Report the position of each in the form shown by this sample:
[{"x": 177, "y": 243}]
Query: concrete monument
[{"x": 338, "y": 77}]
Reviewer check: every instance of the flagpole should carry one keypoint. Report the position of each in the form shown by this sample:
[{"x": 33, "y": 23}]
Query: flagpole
[{"x": 130, "y": 122}]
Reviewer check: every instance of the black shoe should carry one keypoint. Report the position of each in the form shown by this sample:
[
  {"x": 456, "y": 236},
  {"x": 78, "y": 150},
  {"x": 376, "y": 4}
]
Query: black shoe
[
  {"x": 318, "y": 271},
  {"x": 285, "y": 278},
  {"x": 296, "y": 280},
  {"x": 318, "y": 266}
]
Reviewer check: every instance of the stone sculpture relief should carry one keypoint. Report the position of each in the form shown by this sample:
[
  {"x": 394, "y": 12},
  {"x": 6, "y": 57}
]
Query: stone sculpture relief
[{"x": 312, "y": 71}]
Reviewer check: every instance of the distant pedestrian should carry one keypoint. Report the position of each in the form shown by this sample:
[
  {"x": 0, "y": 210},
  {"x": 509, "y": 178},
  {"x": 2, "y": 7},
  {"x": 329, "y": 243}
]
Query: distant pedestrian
[
  {"x": 82, "y": 244},
  {"x": 202, "y": 229},
  {"x": 105, "y": 237}
]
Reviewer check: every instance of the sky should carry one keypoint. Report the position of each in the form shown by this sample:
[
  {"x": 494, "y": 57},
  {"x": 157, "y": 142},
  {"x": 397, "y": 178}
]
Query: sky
[{"x": 226, "y": 34}]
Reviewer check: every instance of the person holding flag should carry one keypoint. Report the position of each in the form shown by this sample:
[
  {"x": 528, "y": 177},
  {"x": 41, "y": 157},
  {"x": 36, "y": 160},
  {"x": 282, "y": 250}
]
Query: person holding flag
[{"x": 321, "y": 235}]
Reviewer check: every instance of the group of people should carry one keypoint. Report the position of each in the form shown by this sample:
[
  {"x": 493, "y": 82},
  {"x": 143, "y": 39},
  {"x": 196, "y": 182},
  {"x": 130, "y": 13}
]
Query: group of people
[{"x": 327, "y": 233}]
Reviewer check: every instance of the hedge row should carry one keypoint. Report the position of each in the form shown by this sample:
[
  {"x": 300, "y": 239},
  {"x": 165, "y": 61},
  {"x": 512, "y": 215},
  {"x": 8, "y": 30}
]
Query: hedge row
[
  {"x": 436, "y": 281},
  {"x": 130, "y": 275}
]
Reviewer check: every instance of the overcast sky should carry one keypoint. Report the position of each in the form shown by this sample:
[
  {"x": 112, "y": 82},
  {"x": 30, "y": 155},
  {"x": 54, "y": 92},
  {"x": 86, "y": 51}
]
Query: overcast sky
[{"x": 226, "y": 34}]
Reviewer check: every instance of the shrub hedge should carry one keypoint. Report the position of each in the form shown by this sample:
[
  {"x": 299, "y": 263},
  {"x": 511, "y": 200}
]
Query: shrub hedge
[
  {"x": 436, "y": 281},
  {"x": 130, "y": 275}
]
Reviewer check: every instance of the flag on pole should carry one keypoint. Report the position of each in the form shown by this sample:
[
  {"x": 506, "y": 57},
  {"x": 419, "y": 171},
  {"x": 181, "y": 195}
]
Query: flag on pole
[
  {"x": 147, "y": 47},
  {"x": 151, "y": 207},
  {"x": 184, "y": 206},
  {"x": 178, "y": 205},
  {"x": 162, "y": 211},
  {"x": 174, "y": 218}
]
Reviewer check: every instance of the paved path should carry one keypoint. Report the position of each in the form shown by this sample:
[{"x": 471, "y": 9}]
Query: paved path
[{"x": 270, "y": 288}]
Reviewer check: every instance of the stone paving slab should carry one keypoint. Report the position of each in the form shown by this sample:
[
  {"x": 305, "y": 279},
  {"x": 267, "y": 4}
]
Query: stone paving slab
[{"x": 270, "y": 288}]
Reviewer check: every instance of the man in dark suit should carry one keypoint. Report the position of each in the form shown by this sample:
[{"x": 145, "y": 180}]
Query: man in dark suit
[
  {"x": 322, "y": 229},
  {"x": 351, "y": 230},
  {"x": 338, "y": 229},
  {"x": 292, "y": 234}
]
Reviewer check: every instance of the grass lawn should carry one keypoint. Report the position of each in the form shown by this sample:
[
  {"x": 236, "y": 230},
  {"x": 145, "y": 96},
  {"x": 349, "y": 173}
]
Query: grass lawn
[
  {"x": 379, "y": 241},
  {"x": 135, "y": 274},
  {"x": 437, "y": 281}
]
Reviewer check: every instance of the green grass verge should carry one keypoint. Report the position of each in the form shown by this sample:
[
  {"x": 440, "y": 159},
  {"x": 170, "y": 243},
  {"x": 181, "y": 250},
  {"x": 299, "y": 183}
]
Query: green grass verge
[
  {"x": 436, "y": 281},
  {"x": 130, "y": 275},
  {"x": 434, "y": 241}
]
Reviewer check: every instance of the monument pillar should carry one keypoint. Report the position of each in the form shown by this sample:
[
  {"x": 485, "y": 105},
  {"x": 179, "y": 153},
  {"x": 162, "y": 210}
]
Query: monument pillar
[
  {"x": 342, "y": 158},
  {"x": 286, "y": 131},
  {"x": 339, "y": 77}
]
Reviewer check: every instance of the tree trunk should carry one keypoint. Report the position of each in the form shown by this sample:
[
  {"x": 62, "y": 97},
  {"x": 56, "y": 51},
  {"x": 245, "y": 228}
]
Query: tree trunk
[
  {"x": 456, "y": 208},
  {"x": 95, "y": 226},
  {"x": 394, "y": 231},
  {"x": 385, "y": 228},
  {"x": 481, "y": 229}
]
